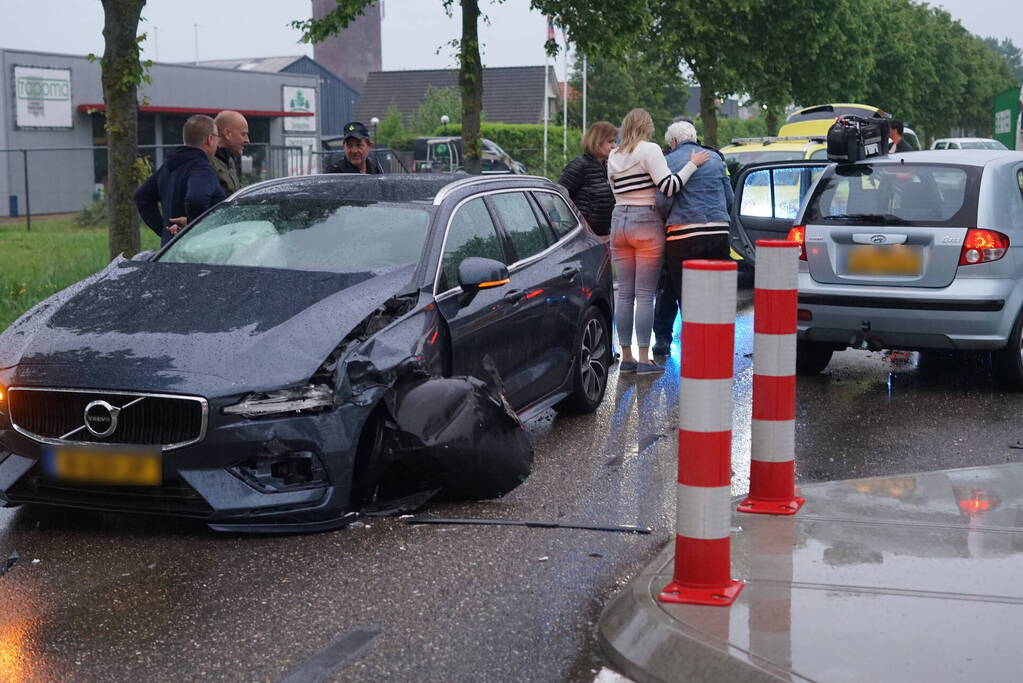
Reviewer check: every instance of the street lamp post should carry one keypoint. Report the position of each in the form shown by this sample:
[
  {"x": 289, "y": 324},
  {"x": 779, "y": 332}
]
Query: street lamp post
[
  {"x": 444, "y": 121},
  {"x": 374, "y": 122}
]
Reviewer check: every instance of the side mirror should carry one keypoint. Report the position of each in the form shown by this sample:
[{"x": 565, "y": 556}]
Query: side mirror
[{"x": 475, "y": 273}]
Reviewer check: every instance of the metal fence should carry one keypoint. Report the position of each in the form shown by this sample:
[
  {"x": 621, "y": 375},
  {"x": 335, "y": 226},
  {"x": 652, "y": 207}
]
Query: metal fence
[
  {"x": 67, "y": 179},
  {"x": 390, "y": 160}
]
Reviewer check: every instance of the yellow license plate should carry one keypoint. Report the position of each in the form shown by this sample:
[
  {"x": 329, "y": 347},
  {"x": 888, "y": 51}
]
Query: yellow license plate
[
  {"x": 94, "y": 466},
  {"x": 897, "y": 259}
]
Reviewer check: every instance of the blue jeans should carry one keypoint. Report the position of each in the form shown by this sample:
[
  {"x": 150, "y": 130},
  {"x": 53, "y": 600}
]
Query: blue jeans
[{"x": 637, "y": 248}]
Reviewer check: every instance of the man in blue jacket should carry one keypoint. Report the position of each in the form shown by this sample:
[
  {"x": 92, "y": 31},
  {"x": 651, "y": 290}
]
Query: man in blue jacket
[
  {"x": 186, "y": 185},
  {"x": 697, "y": 217}
]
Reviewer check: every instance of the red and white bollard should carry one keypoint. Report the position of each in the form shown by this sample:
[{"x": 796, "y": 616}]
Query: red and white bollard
[
  {"x": 772, "y": 436},
  {"x": 702, "y": 573}
]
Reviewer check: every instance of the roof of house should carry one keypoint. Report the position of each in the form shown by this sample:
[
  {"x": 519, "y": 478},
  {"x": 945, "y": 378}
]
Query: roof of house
[
  {"x": 512, "y": 94},
  {"x": 305, "y": 64},
  {"x": 269, "y": 64}
]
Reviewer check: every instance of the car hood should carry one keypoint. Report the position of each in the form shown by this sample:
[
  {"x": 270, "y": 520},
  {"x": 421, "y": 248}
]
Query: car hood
[{"x": 187, "y": 328}]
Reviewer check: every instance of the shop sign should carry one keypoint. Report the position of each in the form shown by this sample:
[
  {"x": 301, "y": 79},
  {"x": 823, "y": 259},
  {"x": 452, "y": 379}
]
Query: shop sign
[
  {"x": 42, "y": 97},
  {"x": 300, "y": 100}
]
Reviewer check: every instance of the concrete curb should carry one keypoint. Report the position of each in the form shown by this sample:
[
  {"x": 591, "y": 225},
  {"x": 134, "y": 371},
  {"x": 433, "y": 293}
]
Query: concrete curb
[{"x": 641, "y": 640}]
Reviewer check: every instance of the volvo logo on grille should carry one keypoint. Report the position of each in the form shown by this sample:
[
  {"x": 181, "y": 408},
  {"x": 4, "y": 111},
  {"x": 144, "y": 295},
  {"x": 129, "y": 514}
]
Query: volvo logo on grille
[
  {"x": 101, "y": 418},
  {"x": 878, "y": 239}
]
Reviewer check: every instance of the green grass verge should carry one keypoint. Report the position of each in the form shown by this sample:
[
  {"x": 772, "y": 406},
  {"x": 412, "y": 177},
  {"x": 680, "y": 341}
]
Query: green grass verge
[{"x": 55, "y": 254}]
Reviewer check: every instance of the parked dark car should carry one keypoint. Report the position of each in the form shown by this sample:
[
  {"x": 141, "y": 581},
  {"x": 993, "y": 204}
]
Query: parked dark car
[{"x": 314, "y": 348}]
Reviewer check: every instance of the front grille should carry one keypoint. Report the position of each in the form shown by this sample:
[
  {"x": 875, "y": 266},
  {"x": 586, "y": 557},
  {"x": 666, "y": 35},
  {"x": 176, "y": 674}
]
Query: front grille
[
  {"x": 57, "y": 416},
  {"x": 172, "y": 497}
]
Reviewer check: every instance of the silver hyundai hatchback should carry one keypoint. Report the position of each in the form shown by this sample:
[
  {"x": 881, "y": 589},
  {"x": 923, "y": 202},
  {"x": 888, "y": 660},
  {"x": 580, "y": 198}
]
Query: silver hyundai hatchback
[{"x": 919, "y": 251}]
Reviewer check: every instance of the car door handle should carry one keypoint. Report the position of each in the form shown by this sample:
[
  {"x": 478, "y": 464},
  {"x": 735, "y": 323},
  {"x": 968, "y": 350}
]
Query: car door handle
[
  {"x": 570, "y": 272},
  {"x": 514, "y": 296}
]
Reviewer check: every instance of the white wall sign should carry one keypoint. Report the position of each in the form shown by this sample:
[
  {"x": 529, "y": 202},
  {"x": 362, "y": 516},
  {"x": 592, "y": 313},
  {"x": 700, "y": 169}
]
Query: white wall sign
[
  {"x": 42, "y": 97},
  {"x": 1003, "y": 122},
  {"x": 306, "y": 162},
  {"x": 300, "y": 99}
]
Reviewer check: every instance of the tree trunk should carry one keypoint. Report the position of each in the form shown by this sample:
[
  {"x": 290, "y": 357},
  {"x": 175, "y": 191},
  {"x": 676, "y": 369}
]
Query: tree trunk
[
  {"x": 709, "y": 113},
  {"x": 772, "y": 116},
  {"x": 122, "y": 71},
  {"x": 470, "y": 78}
]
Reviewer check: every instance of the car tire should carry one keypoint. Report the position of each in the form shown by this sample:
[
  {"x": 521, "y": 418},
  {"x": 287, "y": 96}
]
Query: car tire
[
  {"x": 590, "y": 368},
  {"x": 812, "y": 357},
  {"x": 1009, "y": 361}
]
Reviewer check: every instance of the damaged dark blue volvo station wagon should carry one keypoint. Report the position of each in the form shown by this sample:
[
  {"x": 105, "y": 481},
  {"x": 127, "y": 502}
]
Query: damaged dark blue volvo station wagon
[{"x": 311, "y": 349}]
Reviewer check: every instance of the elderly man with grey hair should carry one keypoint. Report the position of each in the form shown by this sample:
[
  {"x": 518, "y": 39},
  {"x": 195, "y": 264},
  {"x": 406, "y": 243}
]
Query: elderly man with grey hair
[{"x": 697, "y": 220}]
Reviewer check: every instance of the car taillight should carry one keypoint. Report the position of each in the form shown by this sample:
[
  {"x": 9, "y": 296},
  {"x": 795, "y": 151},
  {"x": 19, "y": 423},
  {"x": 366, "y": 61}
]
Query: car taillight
[
  {"x": 798, "y": 234},
  {"x": 982, "y": 246}
]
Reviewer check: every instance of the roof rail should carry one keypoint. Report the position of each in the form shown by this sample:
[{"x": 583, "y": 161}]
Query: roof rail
[
  {"x": 473, "y": 180},
  {"x": 769, "y": 140}
]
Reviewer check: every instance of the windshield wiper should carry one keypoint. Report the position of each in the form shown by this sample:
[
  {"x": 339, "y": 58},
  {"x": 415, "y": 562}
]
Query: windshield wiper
[{"x": 882, "y": 218}]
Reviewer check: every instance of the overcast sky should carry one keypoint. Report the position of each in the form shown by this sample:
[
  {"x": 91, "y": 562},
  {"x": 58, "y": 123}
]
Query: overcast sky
[{"x": 413, "y": 30}]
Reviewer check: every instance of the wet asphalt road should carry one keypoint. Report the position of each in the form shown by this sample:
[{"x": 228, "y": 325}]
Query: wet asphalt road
[{"x": 103, "y": 597}]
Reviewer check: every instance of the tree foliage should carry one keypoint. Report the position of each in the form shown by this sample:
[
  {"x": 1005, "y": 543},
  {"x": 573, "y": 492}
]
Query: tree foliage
[
  {"x": 436, "y": 102},
  {"x": 391, "y": 131},
  {"x": 617, "y": 84},
  {"x": 906, "y": 57},
  {"x": 1013, "y": 55},
  {"x": 593, "y": 27}
]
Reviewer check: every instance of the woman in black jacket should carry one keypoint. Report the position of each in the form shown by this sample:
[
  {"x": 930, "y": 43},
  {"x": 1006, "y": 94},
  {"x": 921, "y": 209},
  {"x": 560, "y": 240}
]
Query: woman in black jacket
[{"x": 585, "y": 177}]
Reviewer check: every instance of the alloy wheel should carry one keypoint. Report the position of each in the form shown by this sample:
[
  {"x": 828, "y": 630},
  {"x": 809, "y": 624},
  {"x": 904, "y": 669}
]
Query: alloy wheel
[{"x": 593, "y": 359}]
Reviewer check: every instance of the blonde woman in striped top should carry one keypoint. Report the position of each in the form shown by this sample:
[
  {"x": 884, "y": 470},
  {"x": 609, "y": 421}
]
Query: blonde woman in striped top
[{"x": 637, "y": 171}]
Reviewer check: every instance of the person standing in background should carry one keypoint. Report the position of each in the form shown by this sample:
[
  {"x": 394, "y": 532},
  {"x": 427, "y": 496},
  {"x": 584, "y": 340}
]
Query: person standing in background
[
  {"x": 899, "y": 144},
  {"x": 356, "y": 158},
  {"x": 234, "y": 135},
  {"x": 637, "y": 170},
  {"x": 186, "y": 185},
  {"x": 697, "y": 219},
  {"x": 585, "y": 177}
]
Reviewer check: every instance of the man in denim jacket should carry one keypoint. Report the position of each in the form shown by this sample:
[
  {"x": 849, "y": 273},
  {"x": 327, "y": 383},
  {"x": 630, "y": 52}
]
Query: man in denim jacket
[{"x": 697, "y": 220}]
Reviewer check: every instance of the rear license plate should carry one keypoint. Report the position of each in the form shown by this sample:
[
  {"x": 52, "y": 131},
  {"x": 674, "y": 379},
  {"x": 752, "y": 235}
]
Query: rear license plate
[
  {"x": 896, "y": 259},
  {"x": 105, "y": 466}
]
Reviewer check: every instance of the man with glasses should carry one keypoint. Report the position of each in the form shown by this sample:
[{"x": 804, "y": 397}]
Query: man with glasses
[{"x": 186, "y": 185}]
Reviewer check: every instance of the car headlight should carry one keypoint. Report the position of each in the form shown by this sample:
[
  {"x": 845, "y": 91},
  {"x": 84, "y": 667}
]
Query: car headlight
[{"x": 261, "y": 404}]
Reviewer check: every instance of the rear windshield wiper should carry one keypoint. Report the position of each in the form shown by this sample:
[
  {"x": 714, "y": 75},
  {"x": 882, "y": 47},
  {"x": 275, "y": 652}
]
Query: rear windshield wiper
[{"x": 881, "y": 218}]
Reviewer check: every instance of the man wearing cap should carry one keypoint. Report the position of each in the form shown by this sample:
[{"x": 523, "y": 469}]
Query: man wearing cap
[{"x": 356, "y": 158}]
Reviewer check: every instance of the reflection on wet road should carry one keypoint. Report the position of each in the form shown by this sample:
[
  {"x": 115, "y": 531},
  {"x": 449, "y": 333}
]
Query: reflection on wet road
[{"x": 105, "y": 597}]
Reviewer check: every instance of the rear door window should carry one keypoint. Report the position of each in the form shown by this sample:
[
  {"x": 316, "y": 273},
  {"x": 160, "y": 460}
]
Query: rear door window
[
  {"x": 525, "y": 232},
  {"x": 471, "y": 233},
  {"x": 561, "y": 217},
  {"x": 777, "y": 192},
  {"x": 897, "y": 194}
]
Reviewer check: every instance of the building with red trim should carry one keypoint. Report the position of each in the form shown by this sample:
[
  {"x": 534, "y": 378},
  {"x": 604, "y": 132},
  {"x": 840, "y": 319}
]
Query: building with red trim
[{"x": 52, "y": 132}]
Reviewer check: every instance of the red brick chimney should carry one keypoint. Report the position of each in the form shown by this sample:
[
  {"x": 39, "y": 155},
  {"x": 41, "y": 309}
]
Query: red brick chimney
[{"x": 354, "y": 52}]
